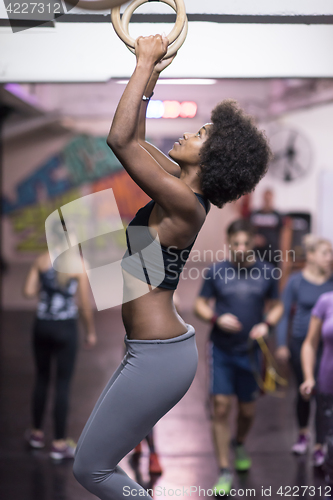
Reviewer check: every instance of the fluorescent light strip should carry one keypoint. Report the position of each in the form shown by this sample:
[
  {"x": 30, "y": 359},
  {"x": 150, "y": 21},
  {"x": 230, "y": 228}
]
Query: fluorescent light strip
[{"x": 179, "y": 81}]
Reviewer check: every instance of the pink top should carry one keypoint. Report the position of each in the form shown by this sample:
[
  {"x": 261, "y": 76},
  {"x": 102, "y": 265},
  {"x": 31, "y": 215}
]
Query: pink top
[{"x": 324, "y": 310}]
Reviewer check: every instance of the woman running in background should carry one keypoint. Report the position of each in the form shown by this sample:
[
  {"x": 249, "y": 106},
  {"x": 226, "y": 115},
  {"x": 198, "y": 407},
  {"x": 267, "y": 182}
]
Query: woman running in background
[
  {"x": 321, "y": 328},
  {"x": 55, "y": 340},
  {"x": 301, "y": 293}
]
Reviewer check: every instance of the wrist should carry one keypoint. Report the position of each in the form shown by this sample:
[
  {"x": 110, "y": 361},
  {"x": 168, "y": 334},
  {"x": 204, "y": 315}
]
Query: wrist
[
  {"x": 145, "y": 65},
  {"x": 269, "y": 325},
  {"x": 146, "y": 98},
  {"x": 152, "y": 82},
  {"x": 155, "y": 74},
  {"x": 213, "y": 319}
]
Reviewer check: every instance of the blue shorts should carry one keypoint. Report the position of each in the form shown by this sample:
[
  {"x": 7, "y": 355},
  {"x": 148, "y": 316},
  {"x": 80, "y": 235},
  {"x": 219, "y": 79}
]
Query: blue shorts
[{"x": 233, "y": 373}]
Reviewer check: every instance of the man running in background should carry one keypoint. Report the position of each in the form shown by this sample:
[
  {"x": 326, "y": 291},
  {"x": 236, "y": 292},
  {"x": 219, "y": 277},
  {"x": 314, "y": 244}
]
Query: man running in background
[{"x": 243, "y": 289}]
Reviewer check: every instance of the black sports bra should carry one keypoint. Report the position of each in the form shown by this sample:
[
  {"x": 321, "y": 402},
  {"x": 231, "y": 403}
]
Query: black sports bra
[{"x": 147, "y": 259}]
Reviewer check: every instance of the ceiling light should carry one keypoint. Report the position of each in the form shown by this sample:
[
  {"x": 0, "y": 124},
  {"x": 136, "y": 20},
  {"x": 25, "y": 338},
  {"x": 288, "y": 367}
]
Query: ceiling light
[{"x": 171, "y": 109}]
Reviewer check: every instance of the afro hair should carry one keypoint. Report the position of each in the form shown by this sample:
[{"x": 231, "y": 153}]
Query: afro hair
[{"x": 235, "y": 155}]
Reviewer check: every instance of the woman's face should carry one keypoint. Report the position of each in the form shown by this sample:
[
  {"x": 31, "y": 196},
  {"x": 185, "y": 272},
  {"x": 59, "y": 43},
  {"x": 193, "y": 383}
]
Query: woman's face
[
  {"x": 322, "y": 257},
  {"x": 186, "y": 150}
]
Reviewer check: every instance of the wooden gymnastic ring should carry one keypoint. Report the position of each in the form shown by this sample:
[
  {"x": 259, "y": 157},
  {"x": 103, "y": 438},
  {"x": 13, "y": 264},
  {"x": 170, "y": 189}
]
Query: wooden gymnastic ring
[
  {"x": 94, "y": 4},
  {"x": 129, "y": 41},
  {"x": 175, "y": 46}
]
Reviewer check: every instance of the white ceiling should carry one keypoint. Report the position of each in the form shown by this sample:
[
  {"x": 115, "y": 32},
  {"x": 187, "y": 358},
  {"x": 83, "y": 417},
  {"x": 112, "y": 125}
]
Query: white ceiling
[
  {"x": 91, "y": 52},
  {"x": 73, "y": 66}
]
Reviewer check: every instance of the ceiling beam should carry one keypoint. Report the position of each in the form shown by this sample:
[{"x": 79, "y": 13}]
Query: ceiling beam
[{"x": 170, "y": 18}]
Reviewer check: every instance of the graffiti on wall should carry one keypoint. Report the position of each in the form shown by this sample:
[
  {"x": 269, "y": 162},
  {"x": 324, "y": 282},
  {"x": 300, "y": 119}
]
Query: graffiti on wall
[{"x": 85, "y": 165}]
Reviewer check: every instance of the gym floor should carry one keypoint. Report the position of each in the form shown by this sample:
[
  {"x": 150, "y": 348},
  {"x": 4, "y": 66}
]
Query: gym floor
[{"x": 183, "y": 436}]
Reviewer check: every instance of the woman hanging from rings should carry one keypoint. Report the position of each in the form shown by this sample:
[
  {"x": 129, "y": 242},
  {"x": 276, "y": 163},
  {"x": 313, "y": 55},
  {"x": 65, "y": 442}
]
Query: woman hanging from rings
[{"x": 217, "y": 164}]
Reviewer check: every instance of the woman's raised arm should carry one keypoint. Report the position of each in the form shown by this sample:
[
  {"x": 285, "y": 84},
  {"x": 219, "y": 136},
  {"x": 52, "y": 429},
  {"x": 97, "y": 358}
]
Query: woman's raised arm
[
  {"x": 124, "y": 126},
  {"x": 170, "y": 166},
  {"x": 168, "y": 191}
]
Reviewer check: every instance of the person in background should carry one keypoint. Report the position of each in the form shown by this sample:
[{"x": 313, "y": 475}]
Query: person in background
[
  {"x": 300, "y": 295},
  {"x": 321, "y": 328},
  {"x": 268, "y": 224},
  {"x": 243, "y": 289},
  {"x": 55, "y": 340}
]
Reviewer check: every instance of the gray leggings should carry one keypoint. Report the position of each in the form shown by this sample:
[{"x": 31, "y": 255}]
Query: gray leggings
[{"x": 153, "y": 376}]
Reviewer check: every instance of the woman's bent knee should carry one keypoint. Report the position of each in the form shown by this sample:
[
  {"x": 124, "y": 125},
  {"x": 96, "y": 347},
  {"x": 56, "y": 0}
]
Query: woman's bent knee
[
  {"x": 82, "y": 472},
  {"x": 93, "y": 480},
  {"x": 77, "y": 470}
]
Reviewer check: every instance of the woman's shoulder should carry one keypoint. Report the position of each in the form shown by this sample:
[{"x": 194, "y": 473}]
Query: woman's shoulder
[
  {"x": 323, "y": 305},
  {"x": 43, "y": 262},
  {"x": 326, "y": 297}
]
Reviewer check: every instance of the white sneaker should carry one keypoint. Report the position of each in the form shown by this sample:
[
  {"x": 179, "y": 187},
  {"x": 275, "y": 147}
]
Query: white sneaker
[
  {"x": 318, "y": 458},
  {"x": 35, "y": 440},
  {"x": 68, "y": 451},
  {"x": 302, "y": 444}
]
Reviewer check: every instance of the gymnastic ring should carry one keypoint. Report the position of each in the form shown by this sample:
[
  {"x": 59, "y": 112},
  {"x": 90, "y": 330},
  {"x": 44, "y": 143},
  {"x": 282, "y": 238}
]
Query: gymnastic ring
[
  {"x": 129, "y": 41},
  {"x": 93, "y": 4},
  {"x": 175, "y": 46}
]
